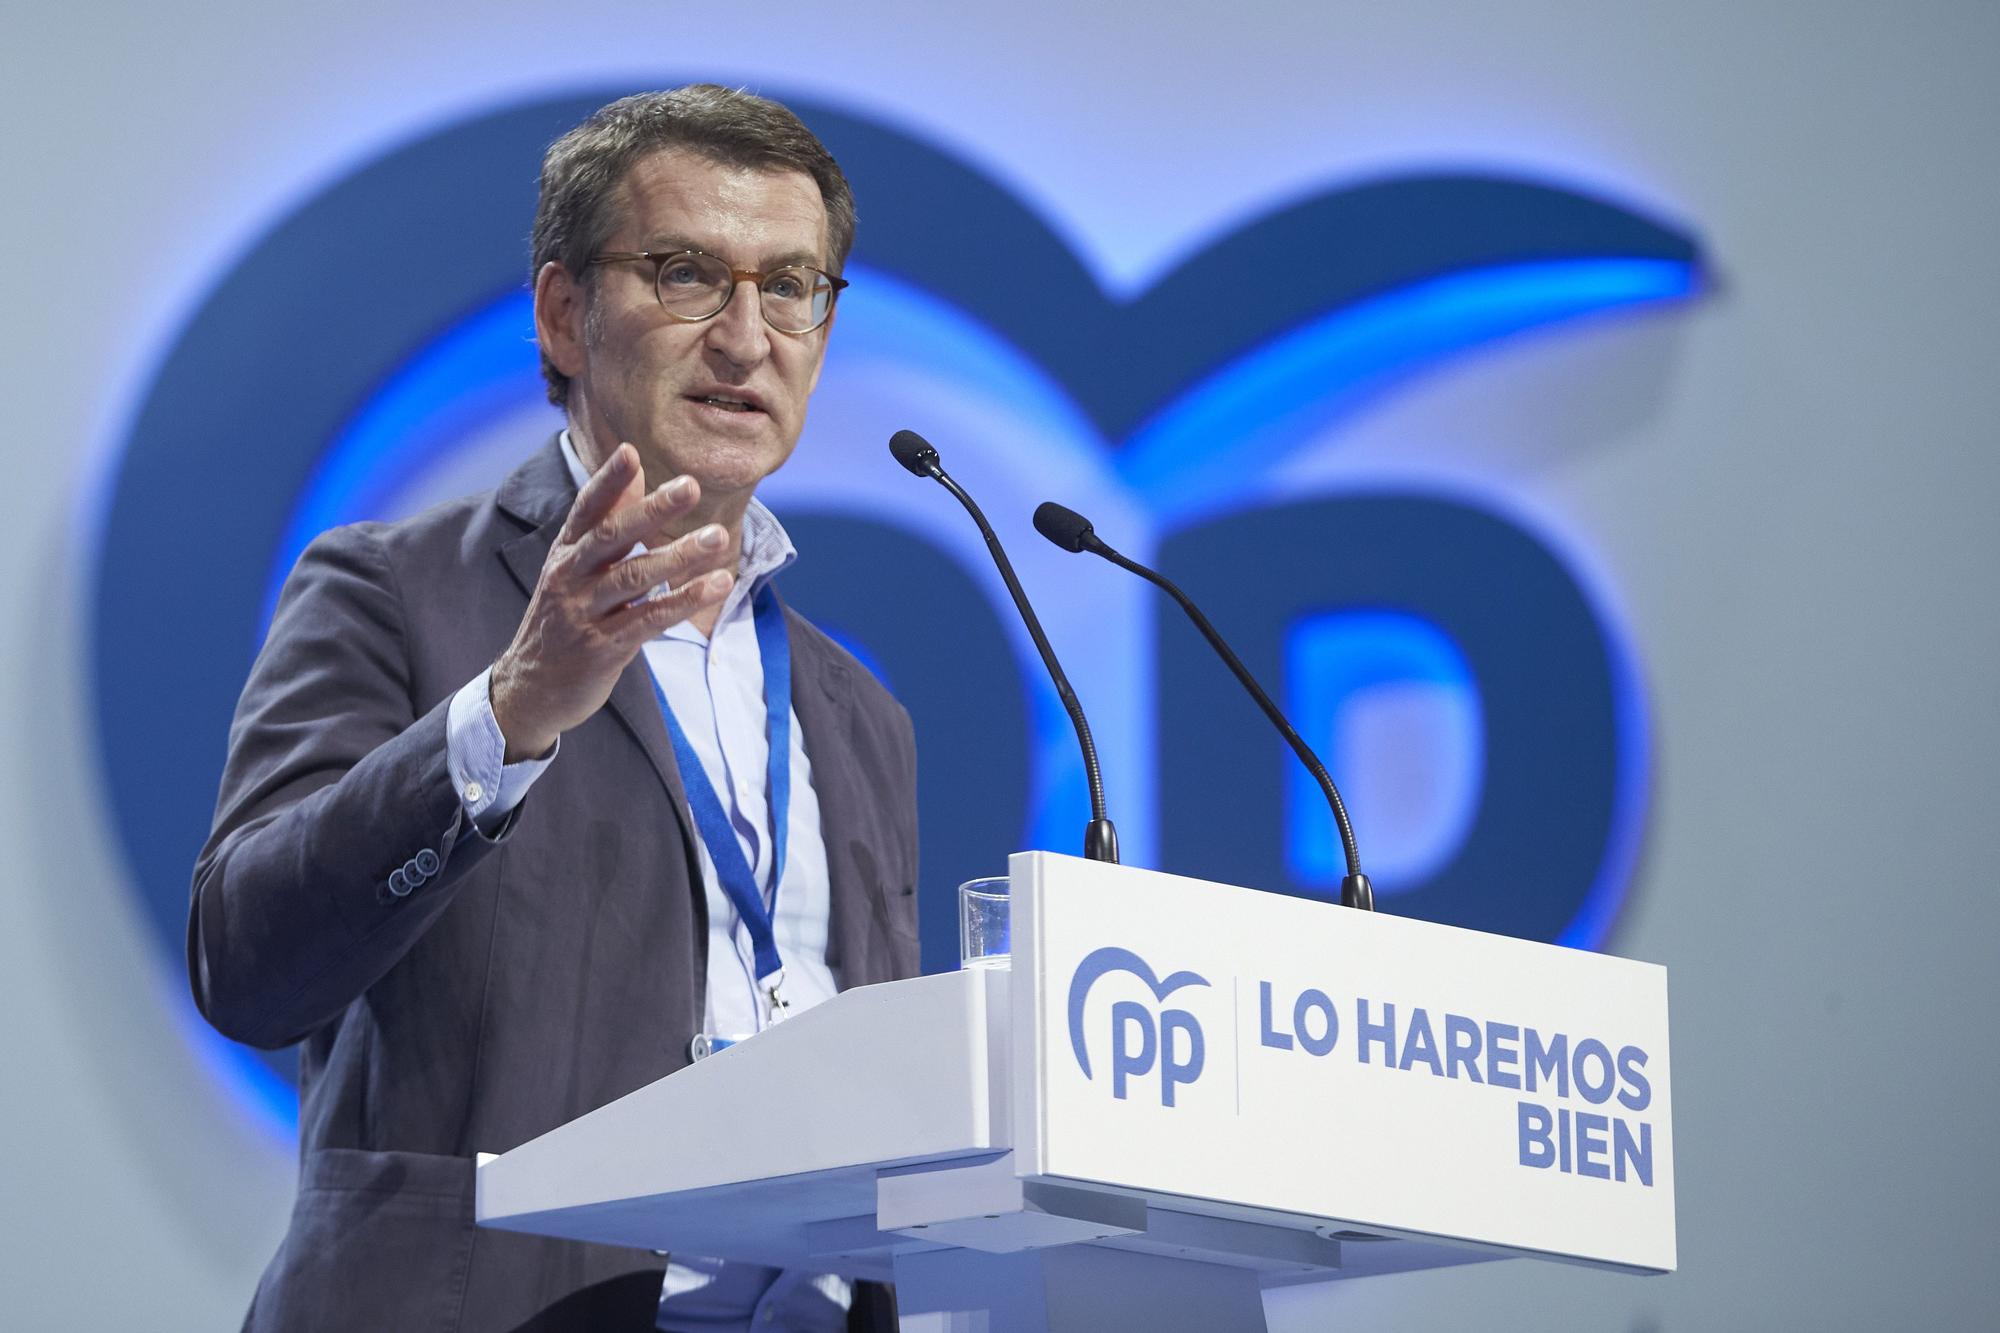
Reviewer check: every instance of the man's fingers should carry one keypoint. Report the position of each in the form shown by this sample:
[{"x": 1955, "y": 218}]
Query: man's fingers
[
  {"x": 649, "y": 521},
  {"x": 602, "y": 492},
  {"x": 675, "y": 563},
  {"x": 643, "y": 620},
  {"x": 655, "y": 522}
]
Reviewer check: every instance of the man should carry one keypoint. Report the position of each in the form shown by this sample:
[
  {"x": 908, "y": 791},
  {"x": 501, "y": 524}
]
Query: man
[{"x": 516, "y": 804}]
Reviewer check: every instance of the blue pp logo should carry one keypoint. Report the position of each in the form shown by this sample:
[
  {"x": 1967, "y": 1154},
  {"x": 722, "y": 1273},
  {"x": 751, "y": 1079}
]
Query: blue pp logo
[{"x": 1143, "y": 1037}]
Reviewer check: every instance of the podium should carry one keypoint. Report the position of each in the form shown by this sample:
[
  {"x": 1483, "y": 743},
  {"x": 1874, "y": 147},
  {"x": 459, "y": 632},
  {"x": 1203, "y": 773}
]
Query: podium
[{"x": 1179, "y": 1094}]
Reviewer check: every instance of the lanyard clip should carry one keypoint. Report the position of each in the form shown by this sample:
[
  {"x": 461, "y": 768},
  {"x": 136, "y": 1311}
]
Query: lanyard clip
[{"x": 774, "y": 998}]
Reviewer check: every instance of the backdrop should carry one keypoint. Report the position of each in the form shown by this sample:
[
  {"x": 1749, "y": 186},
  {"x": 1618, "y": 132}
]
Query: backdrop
[{"x": 1573, "y": 415}]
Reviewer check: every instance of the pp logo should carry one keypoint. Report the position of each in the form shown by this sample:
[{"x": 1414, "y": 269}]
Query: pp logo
[{"x": 1140, "y": 1041}]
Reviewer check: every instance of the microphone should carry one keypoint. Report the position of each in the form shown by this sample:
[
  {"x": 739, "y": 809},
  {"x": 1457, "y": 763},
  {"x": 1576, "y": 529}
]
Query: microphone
[
  {"x": 913, "y": 451},
  {"x": 1072, "y": 531}
]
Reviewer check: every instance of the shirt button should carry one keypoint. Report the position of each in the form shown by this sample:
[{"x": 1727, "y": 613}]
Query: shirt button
[{"x": 475, "y": 792}]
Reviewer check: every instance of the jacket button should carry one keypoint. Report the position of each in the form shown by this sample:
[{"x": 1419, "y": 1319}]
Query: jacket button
[
  {"x": 399, "y": 883},
  {"x": 428, "y": 863}
]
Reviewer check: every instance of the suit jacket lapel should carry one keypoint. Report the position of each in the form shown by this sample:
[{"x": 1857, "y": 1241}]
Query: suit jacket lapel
[{"x": 823, "y": 697}]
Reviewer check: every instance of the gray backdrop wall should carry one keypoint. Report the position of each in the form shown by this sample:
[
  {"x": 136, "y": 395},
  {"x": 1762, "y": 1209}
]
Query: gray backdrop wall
[{"x": 1790, "y": 487}]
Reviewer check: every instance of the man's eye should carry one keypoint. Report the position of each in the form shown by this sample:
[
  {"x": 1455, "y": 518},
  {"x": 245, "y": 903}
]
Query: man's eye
[
  {"x": 786, "y": 286},
  {"x": 681, "y": 275}
]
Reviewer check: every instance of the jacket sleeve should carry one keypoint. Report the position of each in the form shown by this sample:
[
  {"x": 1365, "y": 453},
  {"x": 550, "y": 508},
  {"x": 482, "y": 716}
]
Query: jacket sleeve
[{"x": 338, "y": 836}]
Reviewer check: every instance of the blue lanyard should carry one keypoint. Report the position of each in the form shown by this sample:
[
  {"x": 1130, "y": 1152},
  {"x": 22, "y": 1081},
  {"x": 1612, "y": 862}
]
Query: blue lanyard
[{"x": 731, "y": 867}]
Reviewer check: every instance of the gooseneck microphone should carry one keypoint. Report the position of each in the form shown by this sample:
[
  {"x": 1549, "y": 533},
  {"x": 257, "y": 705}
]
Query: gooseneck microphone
[
  {"x": 913, "y": 451},
  {"x": 1072, "y": 531}
]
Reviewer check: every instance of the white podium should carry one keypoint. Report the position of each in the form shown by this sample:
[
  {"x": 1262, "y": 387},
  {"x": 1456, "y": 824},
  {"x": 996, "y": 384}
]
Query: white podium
[{"x": 1179, "y": 1094}]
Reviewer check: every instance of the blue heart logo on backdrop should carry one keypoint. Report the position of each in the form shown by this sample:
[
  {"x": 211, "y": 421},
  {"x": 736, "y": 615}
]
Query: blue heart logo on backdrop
[{"x": 383, "y": 319}]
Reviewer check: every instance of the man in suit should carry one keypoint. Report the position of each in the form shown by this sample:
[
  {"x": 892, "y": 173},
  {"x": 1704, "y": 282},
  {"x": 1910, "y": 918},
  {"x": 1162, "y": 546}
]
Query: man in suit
[{"x": 525, "y": 792}]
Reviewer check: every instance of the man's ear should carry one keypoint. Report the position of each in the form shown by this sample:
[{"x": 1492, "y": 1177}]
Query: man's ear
[{"x": 559, "y": 312}]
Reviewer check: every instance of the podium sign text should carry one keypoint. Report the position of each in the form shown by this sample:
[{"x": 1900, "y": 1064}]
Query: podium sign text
[{"x": 1182, "y": 1038}]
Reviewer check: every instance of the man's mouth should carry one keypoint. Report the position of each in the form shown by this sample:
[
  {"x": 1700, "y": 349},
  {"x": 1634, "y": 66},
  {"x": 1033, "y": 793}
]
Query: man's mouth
[{"x": 725, "y": 402}]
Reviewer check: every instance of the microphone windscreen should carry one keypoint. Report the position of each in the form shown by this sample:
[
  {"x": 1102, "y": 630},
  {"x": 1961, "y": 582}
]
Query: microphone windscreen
[
  {"x": 1065, "y": 527},
  {"x": 913, "y": 451}
]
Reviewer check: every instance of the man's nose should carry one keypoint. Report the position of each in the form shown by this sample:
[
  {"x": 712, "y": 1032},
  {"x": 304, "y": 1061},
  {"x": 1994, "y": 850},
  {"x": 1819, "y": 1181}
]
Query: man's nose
[{"x": 739, "y": 331}]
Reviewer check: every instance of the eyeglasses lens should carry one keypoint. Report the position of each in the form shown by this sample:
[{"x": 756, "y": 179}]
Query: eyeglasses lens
[
  {"x": 796, "y": 299},
  {"x": 694, "y": 286}
]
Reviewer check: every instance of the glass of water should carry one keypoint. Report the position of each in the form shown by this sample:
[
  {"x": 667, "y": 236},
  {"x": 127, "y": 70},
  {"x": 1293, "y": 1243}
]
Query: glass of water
[{"x": 982, "y": 923}]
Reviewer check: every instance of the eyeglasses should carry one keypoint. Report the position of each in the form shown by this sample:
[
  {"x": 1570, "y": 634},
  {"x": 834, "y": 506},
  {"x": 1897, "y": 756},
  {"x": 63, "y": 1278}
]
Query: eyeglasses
[{"x": 693, "y": 286}]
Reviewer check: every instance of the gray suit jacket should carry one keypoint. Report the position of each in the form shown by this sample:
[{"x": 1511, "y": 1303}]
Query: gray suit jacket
[{"x": 523, "y": 982}]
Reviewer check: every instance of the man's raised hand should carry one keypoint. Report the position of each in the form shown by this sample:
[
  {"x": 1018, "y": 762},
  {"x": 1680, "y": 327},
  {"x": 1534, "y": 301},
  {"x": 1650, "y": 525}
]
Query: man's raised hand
[{"x": 586, "y": 619}]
